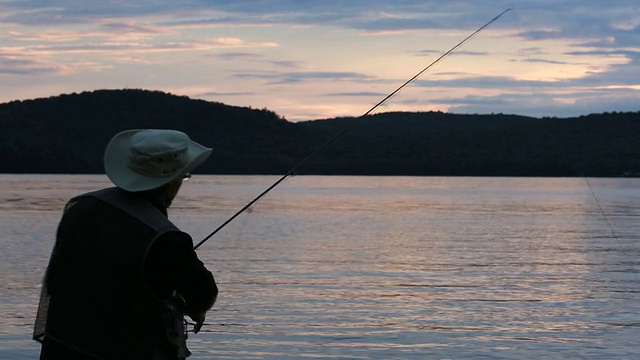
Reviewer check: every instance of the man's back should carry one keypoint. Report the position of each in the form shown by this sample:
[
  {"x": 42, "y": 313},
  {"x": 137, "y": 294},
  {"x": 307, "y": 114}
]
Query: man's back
[{"x": 96, "y": 282}]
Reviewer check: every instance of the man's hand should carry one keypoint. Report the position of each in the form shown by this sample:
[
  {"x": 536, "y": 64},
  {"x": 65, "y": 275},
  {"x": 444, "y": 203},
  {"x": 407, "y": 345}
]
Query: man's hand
[{"x": 199, "y": 319}]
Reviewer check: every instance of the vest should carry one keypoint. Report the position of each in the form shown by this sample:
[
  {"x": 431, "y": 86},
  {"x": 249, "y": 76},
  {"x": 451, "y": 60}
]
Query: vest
[{"x": 94, "y": 297}]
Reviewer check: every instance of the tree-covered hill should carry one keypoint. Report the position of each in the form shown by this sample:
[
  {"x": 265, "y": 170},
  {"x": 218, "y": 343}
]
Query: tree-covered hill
[
  {"x": 68, "y": 134},
  {"x": 498, "y": 145}
]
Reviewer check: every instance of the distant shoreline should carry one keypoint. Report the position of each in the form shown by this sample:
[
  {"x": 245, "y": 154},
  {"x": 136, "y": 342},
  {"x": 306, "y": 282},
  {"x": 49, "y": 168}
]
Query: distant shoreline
[{"x": 67, "y": 135}]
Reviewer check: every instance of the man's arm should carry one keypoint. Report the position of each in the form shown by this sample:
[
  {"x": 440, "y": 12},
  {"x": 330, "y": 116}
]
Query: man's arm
[{"x": 173, "y": 265}]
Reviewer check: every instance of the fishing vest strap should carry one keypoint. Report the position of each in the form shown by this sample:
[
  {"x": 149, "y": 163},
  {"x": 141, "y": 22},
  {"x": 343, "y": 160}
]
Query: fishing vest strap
[{"x": 135, "y": 206}]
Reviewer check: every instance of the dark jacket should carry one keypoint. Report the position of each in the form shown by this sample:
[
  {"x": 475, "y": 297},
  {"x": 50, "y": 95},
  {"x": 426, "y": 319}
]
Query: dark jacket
[{"x": 116, "y": 261}]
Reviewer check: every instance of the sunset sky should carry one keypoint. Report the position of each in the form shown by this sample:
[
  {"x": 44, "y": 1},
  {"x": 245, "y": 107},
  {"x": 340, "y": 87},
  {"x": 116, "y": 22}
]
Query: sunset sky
[{"x": 316, "y": 59}]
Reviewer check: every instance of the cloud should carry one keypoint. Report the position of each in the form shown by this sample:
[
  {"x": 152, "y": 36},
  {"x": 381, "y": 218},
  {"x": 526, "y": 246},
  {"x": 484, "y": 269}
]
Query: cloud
[
  {"x": 131, "y": 30},
  {"x": 544, "y": 61},
  {"x": 222, "y": 93},
  {"x": 358, "y": 94},
  {"x": 539, "y": 105},
  {"x": 536, "y": 19},
  {"x": 112, "y": 48},
  {"x": 430, "y": 53},
  {"x": 484, "y": 82},
  {"x": 302, "y": 76},
  {"x": 16, "y": 66},
  {"x": 234, "y": 56},
  {"x": 60, "y": 12},
  {"x": 250, "y": 56}
]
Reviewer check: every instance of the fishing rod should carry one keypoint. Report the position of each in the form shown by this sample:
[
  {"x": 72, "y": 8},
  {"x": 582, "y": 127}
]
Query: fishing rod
[{"x": 349, "y": 126}]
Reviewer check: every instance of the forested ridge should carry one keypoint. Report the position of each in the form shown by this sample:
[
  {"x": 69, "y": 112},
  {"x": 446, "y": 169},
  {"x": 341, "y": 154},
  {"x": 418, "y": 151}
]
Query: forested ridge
[{"x": 68, "y": 134}]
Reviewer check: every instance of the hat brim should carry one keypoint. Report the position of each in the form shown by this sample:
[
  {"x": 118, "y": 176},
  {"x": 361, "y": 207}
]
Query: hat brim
[{"x": 116, "y": 158}]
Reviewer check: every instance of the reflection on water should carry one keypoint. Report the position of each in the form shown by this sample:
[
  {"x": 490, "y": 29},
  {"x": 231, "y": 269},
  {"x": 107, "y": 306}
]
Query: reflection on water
[{"x": 379, "y": 267}]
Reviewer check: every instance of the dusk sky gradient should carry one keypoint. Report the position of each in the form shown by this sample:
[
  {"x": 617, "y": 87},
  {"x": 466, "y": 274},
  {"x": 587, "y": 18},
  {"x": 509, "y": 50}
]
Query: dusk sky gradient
[{"x": 309, "y": 60}]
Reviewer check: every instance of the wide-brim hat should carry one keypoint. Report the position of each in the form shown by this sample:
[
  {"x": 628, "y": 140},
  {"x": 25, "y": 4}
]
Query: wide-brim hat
[{"x": 145, "y": 159}]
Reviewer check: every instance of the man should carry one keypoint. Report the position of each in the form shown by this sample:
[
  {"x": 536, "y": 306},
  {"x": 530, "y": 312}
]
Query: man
[{"x": 121, "y": 275}]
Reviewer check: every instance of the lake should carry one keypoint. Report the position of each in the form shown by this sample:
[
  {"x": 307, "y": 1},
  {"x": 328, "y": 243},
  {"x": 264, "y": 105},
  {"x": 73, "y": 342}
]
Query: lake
[{"x": 338, "y": 267}]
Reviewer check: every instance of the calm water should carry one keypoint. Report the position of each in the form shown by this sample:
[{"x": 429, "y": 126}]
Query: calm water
[{"x": 378, "y": 267}]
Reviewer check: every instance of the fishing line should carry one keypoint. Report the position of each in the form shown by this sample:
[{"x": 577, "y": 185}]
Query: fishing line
[
  {"x": 604, "y": 215},
  {"x": 613, "y": 232},
  {"x": 349, "y": 126}
]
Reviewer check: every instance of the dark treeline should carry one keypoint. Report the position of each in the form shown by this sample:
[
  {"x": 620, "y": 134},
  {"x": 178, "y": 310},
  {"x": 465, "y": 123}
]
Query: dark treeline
[{"x": 68, "y": 134}]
